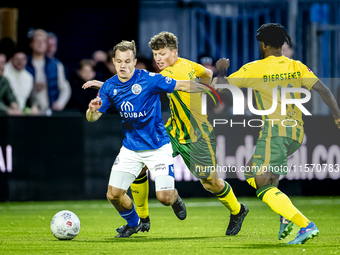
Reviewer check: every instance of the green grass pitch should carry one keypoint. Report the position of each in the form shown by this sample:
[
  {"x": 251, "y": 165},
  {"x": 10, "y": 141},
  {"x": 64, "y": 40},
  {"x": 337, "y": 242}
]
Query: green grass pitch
[{"x": 25, "y": 229}]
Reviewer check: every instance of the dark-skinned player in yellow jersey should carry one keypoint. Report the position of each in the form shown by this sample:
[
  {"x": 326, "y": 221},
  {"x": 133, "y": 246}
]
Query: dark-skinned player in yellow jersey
[{"x": 276, "y": 142}]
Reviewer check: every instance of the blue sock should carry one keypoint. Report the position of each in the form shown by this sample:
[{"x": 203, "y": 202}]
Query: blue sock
[{"x": 131, "y": 217}]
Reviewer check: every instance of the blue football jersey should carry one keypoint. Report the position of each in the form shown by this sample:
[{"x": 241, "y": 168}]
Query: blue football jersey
[{"x": 139, "y": 105}]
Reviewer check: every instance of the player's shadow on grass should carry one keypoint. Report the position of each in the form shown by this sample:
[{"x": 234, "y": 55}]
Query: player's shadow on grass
[{"x": 147, "y": 239}]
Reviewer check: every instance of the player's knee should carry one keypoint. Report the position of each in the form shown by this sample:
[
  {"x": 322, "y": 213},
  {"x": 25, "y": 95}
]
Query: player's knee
[
  {"x": 213, "y": 185},
  {"x": 208, "y": 185},
  {"x": 165, "y": 197},
  {"x": 114, "y": 194},
  {"x": 265, "y": 180}
]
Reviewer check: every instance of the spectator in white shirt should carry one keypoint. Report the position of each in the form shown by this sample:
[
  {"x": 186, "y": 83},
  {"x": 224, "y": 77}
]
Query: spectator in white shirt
[{"x": 20, "y": 80}]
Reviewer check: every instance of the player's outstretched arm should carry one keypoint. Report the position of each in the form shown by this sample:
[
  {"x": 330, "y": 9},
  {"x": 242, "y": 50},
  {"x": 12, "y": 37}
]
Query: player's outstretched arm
[
  {"x": 193, "y": 87},
  {"x": 93, "y": 84},
  {"x": 329, "y": 100},
  {"x": 206, "y": 76},
  {"x": 92, "y": 113}
]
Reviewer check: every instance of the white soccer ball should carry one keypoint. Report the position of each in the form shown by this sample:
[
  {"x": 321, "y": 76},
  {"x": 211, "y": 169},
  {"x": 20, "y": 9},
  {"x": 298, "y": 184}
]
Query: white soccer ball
[{"x": 65, "y": 225}]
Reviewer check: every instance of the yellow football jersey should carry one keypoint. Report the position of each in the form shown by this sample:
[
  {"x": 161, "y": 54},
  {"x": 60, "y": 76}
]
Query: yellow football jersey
[
  {"x": 186, "y": 123},
  {"x": 280, "y": 72}
]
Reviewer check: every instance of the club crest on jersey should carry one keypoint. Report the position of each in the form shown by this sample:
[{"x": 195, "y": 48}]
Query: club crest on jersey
[
  {"x": 136, "y": 89},
  {"x": 168, "y": 80}
]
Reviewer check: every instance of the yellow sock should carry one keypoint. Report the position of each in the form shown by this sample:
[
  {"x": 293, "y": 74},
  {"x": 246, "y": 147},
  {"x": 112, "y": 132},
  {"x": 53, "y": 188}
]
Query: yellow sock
[
  {"x": 140, "y": 194},
  {"x": 300, "y": 220},
  {"x": 228, "y": 199},
  {"x": 282, "y": 205}
]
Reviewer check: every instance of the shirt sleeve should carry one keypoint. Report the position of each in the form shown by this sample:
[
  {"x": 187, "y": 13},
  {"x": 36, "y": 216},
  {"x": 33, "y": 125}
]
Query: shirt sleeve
[
  {"x": 238, "y": 78},
  {"x": 105, "y": 97},
  {"x": 308, "y": 77},
  {"x": 199, "y": 69},
  {"x": 161, "y": 83}
]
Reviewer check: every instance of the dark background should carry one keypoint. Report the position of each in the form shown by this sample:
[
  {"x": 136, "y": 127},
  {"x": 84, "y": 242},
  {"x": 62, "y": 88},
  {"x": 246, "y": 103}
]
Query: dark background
[
  {"x": 66, "y": 157},
  {"x": 81, "y": 29}
]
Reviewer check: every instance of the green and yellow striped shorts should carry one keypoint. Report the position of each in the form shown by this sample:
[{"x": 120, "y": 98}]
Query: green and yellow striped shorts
[
  {"x": 271, "y": 154},
  {"x": 200, "y": 156}
]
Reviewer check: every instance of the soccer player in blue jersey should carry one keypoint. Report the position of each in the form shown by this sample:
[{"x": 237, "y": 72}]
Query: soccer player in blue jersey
[{"x": 135, "y": 94}]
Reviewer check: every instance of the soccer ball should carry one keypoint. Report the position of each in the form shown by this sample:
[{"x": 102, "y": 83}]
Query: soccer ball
[{"x": 65, "y": 225}]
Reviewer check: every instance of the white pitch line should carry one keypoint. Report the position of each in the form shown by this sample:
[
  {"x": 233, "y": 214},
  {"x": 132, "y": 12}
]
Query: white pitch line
[{"x": 68, "y": 206}]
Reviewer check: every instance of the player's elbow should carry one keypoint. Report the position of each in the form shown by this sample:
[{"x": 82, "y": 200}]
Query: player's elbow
[{"x": 209, "y": 73}]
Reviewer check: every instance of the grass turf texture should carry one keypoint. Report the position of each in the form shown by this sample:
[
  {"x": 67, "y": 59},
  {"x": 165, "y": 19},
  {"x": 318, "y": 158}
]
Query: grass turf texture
[{"x": 25, "y": 229}]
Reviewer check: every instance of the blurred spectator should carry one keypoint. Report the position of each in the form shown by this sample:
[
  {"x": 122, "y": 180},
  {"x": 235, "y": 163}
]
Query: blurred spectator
[
  {"x": 140, "y": 65},
  {"x": 104, "y": 66},
  {"x": 20, "y": 80},
  {"x": 49, "y": 91},
  {"x": 8, "y": 103},
  {"x": 143, "y": 63},
  {"x": 7, "y": 47},
  {"x": 52, "y": 48},
  {"x": 287, "y": 50},
  {"x": 99, "y": 56},
  {"x": 109, "y": 64},
  {"x": 207, "y": 62},
  {"x": 81, "y": 98}
]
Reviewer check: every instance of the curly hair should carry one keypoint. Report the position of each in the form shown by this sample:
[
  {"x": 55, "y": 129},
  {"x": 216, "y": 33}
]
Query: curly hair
[
  {"x": 273, "y": 34},
  {"x": 162, "y": 40}
]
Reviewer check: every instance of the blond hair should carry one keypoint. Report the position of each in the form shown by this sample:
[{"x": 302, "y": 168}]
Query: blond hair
[{"x": 125, "y": 46}]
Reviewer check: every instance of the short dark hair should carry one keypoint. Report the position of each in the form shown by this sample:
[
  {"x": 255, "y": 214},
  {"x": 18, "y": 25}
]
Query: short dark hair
[
  {"x": 125, "y": 46},
  {"x": 162, "y": 40},
  {"x": 273, "y": 34}
]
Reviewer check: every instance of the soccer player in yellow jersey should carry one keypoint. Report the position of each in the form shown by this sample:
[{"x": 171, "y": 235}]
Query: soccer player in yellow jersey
[
  {"x": 278, "y": 140},
  {"x": 191, "y": 134}
]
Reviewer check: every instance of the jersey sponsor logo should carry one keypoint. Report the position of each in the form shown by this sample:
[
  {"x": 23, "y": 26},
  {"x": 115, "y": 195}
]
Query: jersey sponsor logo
[
  {"x": 126, "y": 106},
  {"x": 168, "y": 80},
  {"x": 167, "y": 70},
  {"x": 160, "y": 166},
  {"x": 114, "y": 92},
  {"x": 136, "y": 89},
  {"x": 128, "y": 111}
]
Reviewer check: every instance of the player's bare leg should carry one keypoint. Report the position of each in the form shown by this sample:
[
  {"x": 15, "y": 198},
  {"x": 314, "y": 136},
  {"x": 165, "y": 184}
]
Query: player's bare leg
[
  {"x": 119, "y": 199},
  {"x": 167, "y": 197},
  {"x": 225, "y": 194},
  {"x": 123, "y": 204}
]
